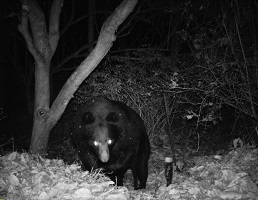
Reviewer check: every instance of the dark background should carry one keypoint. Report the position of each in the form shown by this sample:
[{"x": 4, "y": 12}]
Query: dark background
[{"x": 173, "y": 28}]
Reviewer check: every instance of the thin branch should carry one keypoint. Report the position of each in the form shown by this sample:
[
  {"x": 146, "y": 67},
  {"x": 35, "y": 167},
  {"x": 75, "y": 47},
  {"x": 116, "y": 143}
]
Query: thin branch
[
  {"x": 105, "y": 41},
  {"x": 75, "y": 54},
  {"x": 54, "y": 20},
  {"x": 23, "y": 29},
  {"x": 57, "y": 68},
  {"x": 39, "y": 30},
  {"x": 71, "y": 23}
]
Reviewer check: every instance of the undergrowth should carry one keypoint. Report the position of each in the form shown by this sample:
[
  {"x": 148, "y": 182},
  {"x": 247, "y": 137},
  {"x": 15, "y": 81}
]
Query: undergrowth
[
  {"x": 212, "y": 96},
  {"x": 211, "y": 89}
]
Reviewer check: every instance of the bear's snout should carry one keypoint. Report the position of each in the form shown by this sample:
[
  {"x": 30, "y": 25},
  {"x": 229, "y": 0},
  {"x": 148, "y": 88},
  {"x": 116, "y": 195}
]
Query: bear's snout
[{"x": 104, "y": 153}]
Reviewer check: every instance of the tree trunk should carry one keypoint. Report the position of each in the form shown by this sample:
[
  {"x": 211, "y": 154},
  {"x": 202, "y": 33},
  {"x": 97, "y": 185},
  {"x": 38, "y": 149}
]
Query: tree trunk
[
  {"x": 40, "y": 135},
  {"x": 41, "y": 124},
  {"x": 43, "y": 46}
]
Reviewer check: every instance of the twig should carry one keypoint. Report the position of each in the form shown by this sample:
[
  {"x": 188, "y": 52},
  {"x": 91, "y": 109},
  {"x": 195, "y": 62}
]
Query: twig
[{"x": 171, "y": 136}]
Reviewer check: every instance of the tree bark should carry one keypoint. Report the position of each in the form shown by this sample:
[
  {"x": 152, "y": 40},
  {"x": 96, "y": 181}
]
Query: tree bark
[{"x": 42, "y": 46}]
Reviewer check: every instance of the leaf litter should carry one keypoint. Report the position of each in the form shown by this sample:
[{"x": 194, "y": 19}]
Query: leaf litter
[
  {"x": 24, "y": 176},
  {"x": 230, "y": 176}
]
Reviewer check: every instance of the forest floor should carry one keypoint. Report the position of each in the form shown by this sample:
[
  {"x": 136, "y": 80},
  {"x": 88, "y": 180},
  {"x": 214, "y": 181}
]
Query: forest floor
[{"x": 230, "y": 174}]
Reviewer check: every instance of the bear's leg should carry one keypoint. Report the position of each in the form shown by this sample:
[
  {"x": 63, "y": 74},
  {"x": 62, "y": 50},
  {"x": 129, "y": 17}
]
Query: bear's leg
[
  {"x": 117, "y": 177},
  {"x": 88, "y": 160},
  {"x": 140, "y": 165},
  {"x": 141, "y": 174},
  {"x": 140, "y": 171}
]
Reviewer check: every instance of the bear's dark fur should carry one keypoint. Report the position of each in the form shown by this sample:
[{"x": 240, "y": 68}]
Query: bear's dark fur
[{"x": 110, "y": 135}]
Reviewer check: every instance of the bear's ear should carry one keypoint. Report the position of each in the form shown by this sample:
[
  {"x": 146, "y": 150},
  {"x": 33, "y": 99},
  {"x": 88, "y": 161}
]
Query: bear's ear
[
  {"x": 87, "y": 118},
  {"x": 112, "y": 117}
]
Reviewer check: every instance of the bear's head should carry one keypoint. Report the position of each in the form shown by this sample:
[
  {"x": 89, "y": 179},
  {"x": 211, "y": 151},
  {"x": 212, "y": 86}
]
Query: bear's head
[{"x": 100, "y": 132}]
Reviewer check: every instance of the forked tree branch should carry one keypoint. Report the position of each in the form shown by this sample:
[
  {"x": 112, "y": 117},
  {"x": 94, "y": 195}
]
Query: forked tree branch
[{"x": 105, "y": 41}]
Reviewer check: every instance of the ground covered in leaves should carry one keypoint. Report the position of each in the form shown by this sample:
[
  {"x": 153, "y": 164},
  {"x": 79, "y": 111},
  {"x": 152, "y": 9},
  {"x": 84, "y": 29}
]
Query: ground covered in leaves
[{"x": 232, "y": 175}]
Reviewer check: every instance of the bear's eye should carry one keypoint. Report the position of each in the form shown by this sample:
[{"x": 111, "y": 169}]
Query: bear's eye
[
  {"x": 109, "y": 142},
  {"x": 87, "y": 118},
  {"x": 96, "y": 143},
  {"x": 112, "y": 117}
]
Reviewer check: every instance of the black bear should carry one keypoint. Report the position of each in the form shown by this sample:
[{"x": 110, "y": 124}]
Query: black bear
[{"x": 110, "y": 135}]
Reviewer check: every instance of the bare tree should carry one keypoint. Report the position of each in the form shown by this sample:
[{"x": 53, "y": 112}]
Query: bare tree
[{"x": 42, "y": 44}]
